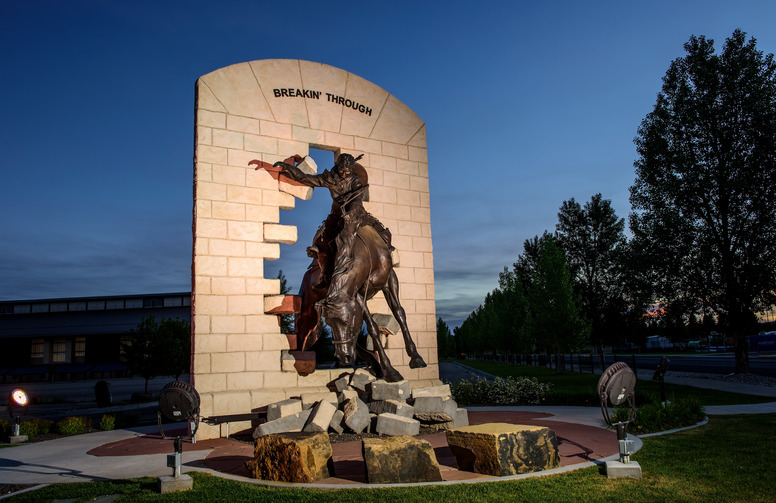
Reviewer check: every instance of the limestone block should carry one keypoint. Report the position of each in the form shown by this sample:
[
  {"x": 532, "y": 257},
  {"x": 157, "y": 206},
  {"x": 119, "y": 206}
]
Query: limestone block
[
  {"x": 347, "y": 394},
  {"x": 356, "y": 415},
  {"x": 393, "y": 425},
  {"x": 294, "y": 188},
  {"x": 282, "y": 304},
  {"x": 302, "y": 362},
  {"x": 461, "y": 418},
  {"x": 292, "y": 423},
  {"x": 342, "y": 383},
  {"x": 291, "y": 457},
  {"x": 320, "y": 417},
  {"x": 311, "y": 398},
  {"x": 283, "y": 408},
  {"x": 336, "y": 421},
  {"x": 399, "y": 459},
  {"x": 504, "y": 449},
  {"x": 443, "y": 391},
  {"x": 387, "y": 321},
  {"x": 382, "y": 390},
  {"x": 393, "y": 406},
  {"x": 279, "y": 233},
  {"x": 438, "y": 409},
  {"x": 361, "y": 378}
]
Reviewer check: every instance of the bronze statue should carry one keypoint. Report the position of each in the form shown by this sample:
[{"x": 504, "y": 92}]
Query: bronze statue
[{"x": 351, "y": 262}]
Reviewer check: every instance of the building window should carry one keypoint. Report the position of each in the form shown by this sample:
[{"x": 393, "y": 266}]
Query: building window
[
  {"x": 58, "y": 307},
  {"x": 173, "y": 302},
  {"x": 78, "y": 306},
  {"x": 134, "y": 303},
  {"x": 21, "y": 309},
  {"x": 40, "y": 308},
  {"x": 36, "y": 349},
  {"x": 115, "y": 304},
  {"x": 59, "y": 352},
  {"x": 96, "y": 305},
  {"x": 80, "y": 347}
]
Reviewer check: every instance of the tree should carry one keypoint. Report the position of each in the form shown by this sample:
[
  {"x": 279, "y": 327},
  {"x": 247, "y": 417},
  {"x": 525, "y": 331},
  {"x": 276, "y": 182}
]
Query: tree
[
  {"x": 286, "y": 320},
  {"x": 556, "y": 321},
  {"x": 704, "y": 200},
  {"x": 593, "y": 240},
  {"x": 445, "y": 344},
  {"x": 155, "y": 349}
]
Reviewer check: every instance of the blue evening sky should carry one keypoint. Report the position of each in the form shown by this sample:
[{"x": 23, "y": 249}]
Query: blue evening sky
[{"x": 526, "y": 105}]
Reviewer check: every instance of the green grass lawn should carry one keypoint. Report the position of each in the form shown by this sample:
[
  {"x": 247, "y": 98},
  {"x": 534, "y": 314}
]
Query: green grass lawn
[
  {"x": 727, "y": 460},
  {"x": 579, "y": 388}
]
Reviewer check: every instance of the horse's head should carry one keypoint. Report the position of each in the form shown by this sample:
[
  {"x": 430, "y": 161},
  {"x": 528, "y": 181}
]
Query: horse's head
[{"x": 345, "y": 319}]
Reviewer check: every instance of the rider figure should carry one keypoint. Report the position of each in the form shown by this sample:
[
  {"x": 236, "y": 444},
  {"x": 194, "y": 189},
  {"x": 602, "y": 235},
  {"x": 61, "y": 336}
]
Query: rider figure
[{"x": 348, "y": 184}]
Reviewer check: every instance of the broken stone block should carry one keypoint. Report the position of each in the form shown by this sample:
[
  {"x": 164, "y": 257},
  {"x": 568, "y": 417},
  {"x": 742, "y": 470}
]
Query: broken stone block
[
  {"x": 504, "y": 449},
  {"x": 392, "y": 406},
  {"x": 291, "y": 457},
  {"x": 347, "y": 394},
  {"x": 461, "y": 418},
  {"x": 356, "y": 415},
  {"x": 283, "y": 408},
  {"x": 336, "y": 421},
  {"x": 382, "y": 390},
  {"x": 435, "y": 409},
  {"x": 320, "y": 417},
  {"x": 432, "y": 391},
  {"x": 393, "y": 425},
  {"x": 399, "y": 459},
  {"x": 361, "y": 378},
  {"x": 342, "y": 383},
  {"x": 310, "y": 399},
  {"x": 297, "y": 189},
  {"x": 292, "y": 423}
]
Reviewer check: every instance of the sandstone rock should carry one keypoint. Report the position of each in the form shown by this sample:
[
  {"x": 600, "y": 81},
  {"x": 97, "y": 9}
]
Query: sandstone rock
[
  {"x": 320, "y": 417},
  {"x": 356, "y": 415},
  {"x": 392, "y": 406},
  {"x": 291, "y": 457},
  {"x": 346, "y": 394},
  {"x": 393, "y": 425},
  {"x": 292, "y": 423},
  {"x": 382, "y": 390},
  {"x": 399, "y": 459},
  {"x": 504, "y": 449},
  {"x": 283, "y": 408},
  {"x": 432, "y": 391}
]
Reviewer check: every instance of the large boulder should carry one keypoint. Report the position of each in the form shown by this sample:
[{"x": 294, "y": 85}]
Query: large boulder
[
  {"x": 400, "y": 459},
  {"x": 504, "y": 449},
  {"x": 291, "y": 457}
]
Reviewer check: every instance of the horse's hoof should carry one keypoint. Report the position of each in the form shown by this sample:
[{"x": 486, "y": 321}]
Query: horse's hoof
[
  {"x": 393, "y": 375},
  {"x": 417, "y": 362}
]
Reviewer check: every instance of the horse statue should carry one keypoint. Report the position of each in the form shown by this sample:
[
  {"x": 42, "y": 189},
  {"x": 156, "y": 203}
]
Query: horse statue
[{"x": 361, "y": 255}]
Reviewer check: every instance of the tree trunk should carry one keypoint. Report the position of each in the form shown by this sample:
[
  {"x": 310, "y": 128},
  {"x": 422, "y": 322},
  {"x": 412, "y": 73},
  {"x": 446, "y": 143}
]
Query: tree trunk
[{"x": 742, "y": 353}]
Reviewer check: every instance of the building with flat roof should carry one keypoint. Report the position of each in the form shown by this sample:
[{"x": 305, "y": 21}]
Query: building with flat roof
[{"x": 80, "y": 337}]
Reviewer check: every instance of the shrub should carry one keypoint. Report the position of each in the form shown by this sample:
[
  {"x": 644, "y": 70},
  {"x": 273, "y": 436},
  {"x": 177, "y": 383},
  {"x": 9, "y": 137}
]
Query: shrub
[
  {"x": 509, "y": 391},
  {"x": 652, "y": 417},
  {"x": 107, "y": 422},
  {"x": 74, "y": 425},
  {"x": 5, "y": 429},
  {"x": 34, "y": 427}
]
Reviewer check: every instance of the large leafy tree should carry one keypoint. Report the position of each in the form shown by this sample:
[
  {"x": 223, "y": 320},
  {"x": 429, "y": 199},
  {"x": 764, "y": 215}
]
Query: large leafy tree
[
  {"x": 156, "y": 349},
  {"x": 557, "y": 323},
  {"x": 593, "y": 240},
  {"x": 704, "y": 200}
]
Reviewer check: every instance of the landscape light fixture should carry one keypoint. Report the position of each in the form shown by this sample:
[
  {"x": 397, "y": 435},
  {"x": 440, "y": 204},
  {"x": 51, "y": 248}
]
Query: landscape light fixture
[
  {"x": 178, "y": 401},
  {"x": 615, "y": 388},
  {"x": 660, "y": 374},
  {"x": 17, "y": 399}
]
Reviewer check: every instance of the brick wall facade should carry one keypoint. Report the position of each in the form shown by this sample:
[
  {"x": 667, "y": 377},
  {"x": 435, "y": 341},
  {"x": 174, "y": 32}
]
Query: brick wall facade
[{"x": 260, "y": 110}]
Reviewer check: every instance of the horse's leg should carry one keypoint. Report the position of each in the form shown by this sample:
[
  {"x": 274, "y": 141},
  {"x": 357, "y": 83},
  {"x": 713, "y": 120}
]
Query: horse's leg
[
  {"x": 309, "y": 315},
  {"x": 391, "y": 293},
  {"x": 390, "y": 373}
]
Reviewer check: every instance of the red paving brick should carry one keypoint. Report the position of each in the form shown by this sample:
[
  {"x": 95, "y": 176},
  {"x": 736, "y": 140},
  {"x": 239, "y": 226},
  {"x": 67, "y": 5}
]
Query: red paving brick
[{"x": 577, "y": 444}]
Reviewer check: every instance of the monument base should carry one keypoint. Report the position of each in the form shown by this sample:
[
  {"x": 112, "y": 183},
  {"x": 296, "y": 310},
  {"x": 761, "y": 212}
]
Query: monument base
[
  {"x": 170, "y": 484},
  {"x": 619, "y": 470},
  {"x": 17, "y": 439}
]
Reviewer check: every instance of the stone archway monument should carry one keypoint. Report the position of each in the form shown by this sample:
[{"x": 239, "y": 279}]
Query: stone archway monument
[{"x": 270, "y": 110}]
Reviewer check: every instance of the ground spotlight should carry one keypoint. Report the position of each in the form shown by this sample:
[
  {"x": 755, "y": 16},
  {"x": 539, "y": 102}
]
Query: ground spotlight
[
  {"x": 178, "y": 401},
  {"x": 18, "y": 399}
]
